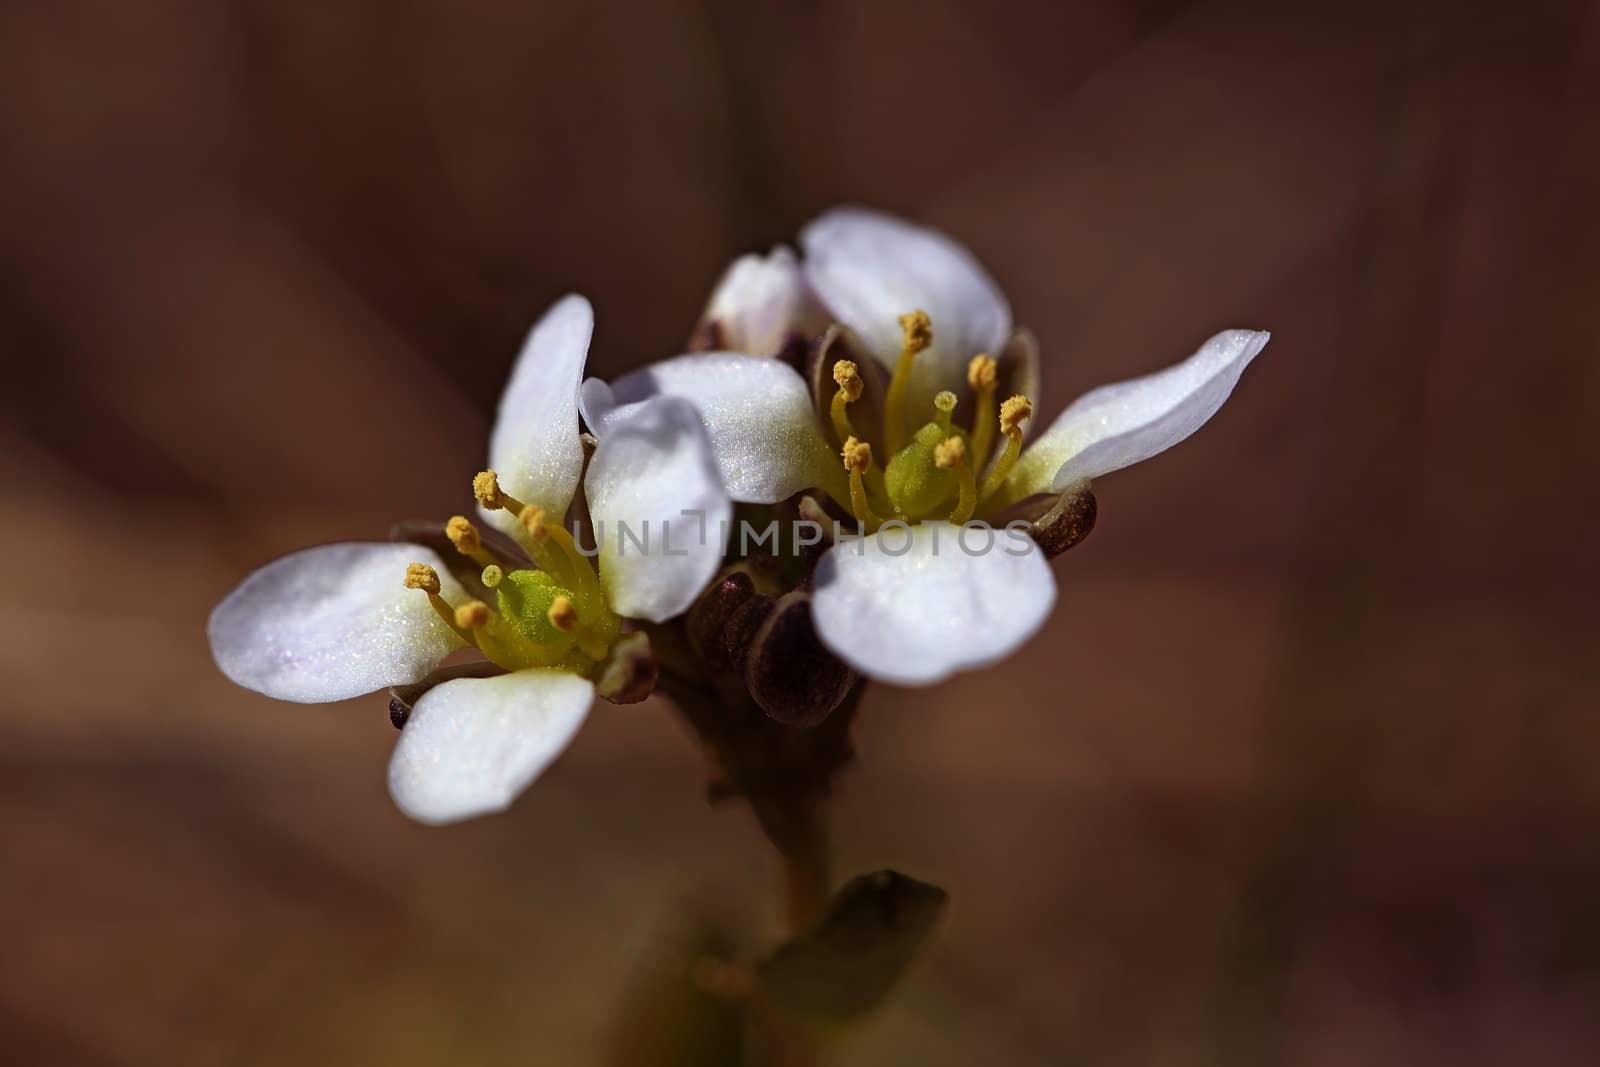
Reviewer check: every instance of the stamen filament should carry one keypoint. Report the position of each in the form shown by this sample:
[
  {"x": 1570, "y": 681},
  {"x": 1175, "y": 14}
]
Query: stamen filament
[
  {"x": 1012, "y": 414},
  {"x": 500, "y": 642},
  {"x": 918, "y": 336},
  {"x": 857, "y": 456},
  {"x": 584, "y": 583},
  {"x": 981, "y": 377},
  {"x": 841, "y": 420},
  {"x": 423, "y": 577},
  {"x": 951, "y": 454},
  {"x": 859, "y": 506}
]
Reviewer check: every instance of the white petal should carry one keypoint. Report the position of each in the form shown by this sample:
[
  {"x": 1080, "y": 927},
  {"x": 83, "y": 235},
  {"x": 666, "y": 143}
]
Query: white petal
[
  {"x": 913, "y": 607},
  {"x": 332, "y": 622},
  {"x": 473, "y": 744},
  {"x": 758, "y": 412},
  {"x": 869, "y": 269},
  {"x": 654, "y": 474},
  {"x": 1118, "y": 425},
  {"x": 535, "y": 448},
  {"x": 762, "y": 303}
]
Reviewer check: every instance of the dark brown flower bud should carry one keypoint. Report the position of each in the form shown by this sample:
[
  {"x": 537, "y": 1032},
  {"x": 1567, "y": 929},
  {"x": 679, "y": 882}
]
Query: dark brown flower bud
[
  {"x": 740, "y": 631},
  {"x": 1066, "y": 523},
  {"x": 629, "y": 674},
  {"x": 711, "y": 614},
  {"x": 788, "y": 670}
]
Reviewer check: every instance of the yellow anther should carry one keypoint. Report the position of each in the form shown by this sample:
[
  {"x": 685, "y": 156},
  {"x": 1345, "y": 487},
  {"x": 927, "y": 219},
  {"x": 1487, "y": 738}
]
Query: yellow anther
[
  {"x": 918, "y": 330},
  {"x": 918, "y": 335},
  {"x": 493, "y": 575},
  {"x": 465, "y": 537},
  {"x": 532, "y": 519},
  {"x": 462, "y": 534},
  {"x": 982, "y": 373},
  {"x": 486, "y": 488},
  {"x": 943, "y": 404},
  {"x": 423, "y": 577},
  {"x": 857, "y": 455},
  {"x": 473, "y": 615},
  {"x": 1014, "y": 412},
  {"x": 983, "y": 376},
  {"x": 563, "y": 613},
  {"x": 848, "y": 377},
  {"x": 949, "y": 453},
  {"x": 1012, "y": 415}
]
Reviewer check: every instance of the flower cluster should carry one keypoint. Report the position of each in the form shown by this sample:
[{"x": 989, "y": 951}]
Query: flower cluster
[{"x": 873, "y": 387}]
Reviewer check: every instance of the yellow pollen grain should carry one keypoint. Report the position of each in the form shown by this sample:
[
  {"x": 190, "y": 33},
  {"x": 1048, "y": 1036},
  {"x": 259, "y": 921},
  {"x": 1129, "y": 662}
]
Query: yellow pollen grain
[
  {"x": 472, "y": 615},
  {"x": 423, "y": 577},
  {"x": 563, "y": 613},
  {"x": 857, "y": 455},
  {"x": 848, "y": 377},
  {"x": 982, "y": 373},
  {"x": 949, "y": 453},
  {"x": 918, "y": 330},
  {"x": 1014, "y": 412}
]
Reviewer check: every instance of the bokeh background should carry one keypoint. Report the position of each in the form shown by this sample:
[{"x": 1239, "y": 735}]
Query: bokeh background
[{"x": 1303, "y": 771}]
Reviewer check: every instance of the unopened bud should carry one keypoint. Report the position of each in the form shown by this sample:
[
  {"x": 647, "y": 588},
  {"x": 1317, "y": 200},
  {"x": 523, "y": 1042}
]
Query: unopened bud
[
  {"x": 1066, "y": 523},
  {"x": 788, "y": 670},
  {"x": 712, "y": 613}
]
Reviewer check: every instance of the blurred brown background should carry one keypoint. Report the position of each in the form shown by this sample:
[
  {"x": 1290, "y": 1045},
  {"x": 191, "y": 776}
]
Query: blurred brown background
[{"x": 1302, "y": 772}]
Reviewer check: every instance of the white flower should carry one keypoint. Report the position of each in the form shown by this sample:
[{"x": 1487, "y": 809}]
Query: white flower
[
  {"x": 762, "y": 306},
  {"x": 337, "y": 621},
  {"x": 924, "y": 438}
]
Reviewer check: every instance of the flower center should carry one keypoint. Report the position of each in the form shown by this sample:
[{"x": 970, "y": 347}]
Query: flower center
[
  {"x": 553, "y": 616},
  {"x": 933, "y": 468}
]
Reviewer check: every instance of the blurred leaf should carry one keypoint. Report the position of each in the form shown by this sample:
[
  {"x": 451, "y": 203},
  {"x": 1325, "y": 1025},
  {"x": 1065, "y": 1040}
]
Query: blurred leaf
[
  {"x": 669, "y": 1017},
  {"x": 874, "y": 927}
]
